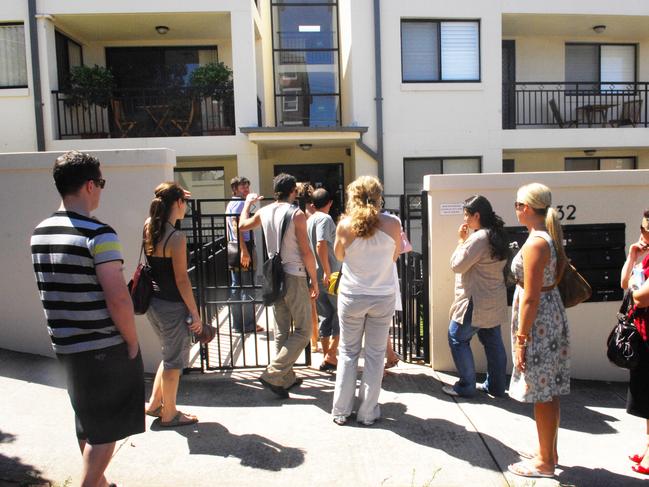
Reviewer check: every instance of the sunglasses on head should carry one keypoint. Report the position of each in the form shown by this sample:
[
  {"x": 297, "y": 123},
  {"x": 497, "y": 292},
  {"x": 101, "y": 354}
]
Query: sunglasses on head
[{"x": 99, "y": 182}]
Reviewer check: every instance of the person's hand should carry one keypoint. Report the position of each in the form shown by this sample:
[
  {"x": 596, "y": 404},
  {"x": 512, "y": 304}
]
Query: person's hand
[
  {"x": 519, "y": 358},
  {"x": 325, "y": 279},
  {"x": 253, "y": 197},
  {"x": 245, "y": 258},
  {"x": 463, "y": 232},
  {"x": 314, "y": 291},
  {"x": 638, "y": 248},
  {"x": 133, "y": 349},
  {"x": 197, "y": 323}
]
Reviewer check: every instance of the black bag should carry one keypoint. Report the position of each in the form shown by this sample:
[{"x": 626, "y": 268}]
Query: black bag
[
  {"x": 273, "y": 288},
  {"x": 234, "y": 256},
  {"x": 508, "y": 275},
  {"x": 625, "y": 344},
  {"x": 141, "y": 286}
]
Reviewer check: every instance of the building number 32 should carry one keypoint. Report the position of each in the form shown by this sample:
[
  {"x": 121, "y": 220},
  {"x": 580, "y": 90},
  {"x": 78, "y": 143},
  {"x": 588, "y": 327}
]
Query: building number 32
[{"x": 566, "y": 212}]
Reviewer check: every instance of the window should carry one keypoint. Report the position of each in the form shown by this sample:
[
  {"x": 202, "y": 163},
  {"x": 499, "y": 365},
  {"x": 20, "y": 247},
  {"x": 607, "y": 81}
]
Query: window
[
  {"x": 416, "y": 168},
  {"x": 440, "y": 50},
  {"x": 68, "y": 55},
  {"x": 509, "y": 165},
  {"x": 13, "y": 66},
  {"x": 600, "y": 67},
  {"x": 599, "y": 163}
]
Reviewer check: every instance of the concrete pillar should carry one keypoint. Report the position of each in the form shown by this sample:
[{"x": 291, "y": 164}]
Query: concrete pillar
[
  {"x": 244, "y": 68},
  {"x": 49, "y": 77}
]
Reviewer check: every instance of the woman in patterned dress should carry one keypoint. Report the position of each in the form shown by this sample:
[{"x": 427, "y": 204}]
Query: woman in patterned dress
[{"x": 540, "y": 337}]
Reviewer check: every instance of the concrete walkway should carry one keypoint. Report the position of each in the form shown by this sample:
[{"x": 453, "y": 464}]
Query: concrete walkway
[{"x": 248, "y": 437}]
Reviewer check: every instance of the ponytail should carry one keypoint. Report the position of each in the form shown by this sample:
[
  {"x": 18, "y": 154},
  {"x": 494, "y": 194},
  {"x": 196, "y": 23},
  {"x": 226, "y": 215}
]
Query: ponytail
[
  {"x": 166, "y": 194},
  {"x": 553, "y": 226},
  {"x": 364, "y": 197}
]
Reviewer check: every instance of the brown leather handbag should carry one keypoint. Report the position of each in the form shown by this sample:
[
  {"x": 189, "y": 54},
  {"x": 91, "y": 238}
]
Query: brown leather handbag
[{"x": 573, "y": 288}]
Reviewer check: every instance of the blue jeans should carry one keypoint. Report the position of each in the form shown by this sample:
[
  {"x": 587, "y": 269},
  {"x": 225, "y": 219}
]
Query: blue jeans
[
  {"x": 242, "y": 315},
  {"x": 459, "y": 340}
]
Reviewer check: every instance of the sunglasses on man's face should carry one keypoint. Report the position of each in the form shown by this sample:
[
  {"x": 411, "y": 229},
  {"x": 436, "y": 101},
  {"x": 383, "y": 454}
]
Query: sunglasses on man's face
[
  {"x": 100, "y": 182},
  {"x": 518, "y": 205}
]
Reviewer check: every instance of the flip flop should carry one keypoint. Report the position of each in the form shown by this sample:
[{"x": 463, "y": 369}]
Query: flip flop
[
  {"x": 524, "y": 469},
  {"x": 393, "y": 362},
  {"x": 327, "y": 367},
  {"x": 529, "y": 456},
  {"x": 179, "y": 420},
  {"x": 156, "y": 413}
]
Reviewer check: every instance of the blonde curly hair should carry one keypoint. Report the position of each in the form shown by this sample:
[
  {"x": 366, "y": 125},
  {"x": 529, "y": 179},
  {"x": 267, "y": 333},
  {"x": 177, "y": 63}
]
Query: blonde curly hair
[{"x": 364, "y": 200}]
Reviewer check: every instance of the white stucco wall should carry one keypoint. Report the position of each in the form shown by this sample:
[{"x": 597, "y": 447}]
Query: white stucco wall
[
  {"x": 27, "y": 188},
  {"x": 592, "y": 193}
]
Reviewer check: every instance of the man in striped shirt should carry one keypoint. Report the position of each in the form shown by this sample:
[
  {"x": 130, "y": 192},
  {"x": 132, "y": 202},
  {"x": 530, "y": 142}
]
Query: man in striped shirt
[{"x": 78, "y": 265}]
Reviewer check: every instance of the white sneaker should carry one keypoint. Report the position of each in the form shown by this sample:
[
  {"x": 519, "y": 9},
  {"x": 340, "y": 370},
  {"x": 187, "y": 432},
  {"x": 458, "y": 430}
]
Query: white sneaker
[
  {"x": 450, "y": 391},
  {"x": 367, "y": 422}
]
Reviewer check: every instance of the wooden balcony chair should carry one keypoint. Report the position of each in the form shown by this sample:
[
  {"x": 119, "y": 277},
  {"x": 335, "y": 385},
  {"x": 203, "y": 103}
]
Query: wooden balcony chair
[
  {"x": 184, "y": 125},
  {"x": 123, "y": 125},
  {"x": 557, "y": 116},
  {"x": 630, "y": 114}
]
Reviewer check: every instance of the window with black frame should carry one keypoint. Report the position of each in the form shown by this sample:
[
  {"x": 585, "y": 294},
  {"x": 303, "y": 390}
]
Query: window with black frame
[
  {"x": 13, "y": 64},
  {"x": 306, "y": 62},
  {"x": 600, "y": 67},
  {"x": 440, "y": 51},
  {"x": 68, "y": 55},
  {"x": 599, "y": 163}
]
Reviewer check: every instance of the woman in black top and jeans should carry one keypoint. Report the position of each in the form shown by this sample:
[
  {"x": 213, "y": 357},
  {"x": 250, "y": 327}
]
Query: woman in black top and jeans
[{"x": 173, "y": 300}]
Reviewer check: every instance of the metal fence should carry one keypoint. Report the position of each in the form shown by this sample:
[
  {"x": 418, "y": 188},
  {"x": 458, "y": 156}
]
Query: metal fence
[{"x": 541, "y": 104}]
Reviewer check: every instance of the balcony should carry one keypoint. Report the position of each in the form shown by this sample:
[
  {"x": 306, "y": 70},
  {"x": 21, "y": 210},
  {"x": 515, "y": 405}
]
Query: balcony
[{"x": 146, "y": 113}]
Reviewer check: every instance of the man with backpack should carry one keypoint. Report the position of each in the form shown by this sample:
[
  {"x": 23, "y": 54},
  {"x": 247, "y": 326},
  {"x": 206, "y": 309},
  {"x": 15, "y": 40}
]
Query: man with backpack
[{"x": 284, "y": 228}]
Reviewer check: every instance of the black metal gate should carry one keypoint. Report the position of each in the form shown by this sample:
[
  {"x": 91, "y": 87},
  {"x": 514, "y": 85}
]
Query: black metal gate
[
  {"x": 410, "y": 330},
  {"x": 218, "y": 300}
]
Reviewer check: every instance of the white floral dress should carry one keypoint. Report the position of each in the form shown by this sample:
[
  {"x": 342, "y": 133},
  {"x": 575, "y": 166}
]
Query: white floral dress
[{"x": 548, "y": 353}]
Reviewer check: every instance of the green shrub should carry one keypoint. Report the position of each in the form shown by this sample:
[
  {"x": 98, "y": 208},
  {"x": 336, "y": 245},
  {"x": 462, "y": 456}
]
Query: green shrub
[
  {"x": 213, "y": 80},
  {"x": 90, "y": 86}
]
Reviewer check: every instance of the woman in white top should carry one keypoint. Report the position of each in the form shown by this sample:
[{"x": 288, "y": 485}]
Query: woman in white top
[{"x": 368, "y": 244}]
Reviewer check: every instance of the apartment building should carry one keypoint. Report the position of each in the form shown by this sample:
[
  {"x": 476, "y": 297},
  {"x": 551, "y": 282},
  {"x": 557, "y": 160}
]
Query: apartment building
[{"x": 331, "y": 89}]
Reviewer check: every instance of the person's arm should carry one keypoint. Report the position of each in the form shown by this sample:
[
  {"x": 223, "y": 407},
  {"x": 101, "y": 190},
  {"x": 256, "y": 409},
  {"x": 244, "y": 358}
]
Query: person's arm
[
  {"x": 247, "y": 222},
  {"x": 641, "y": 296},
  {"x": 342, "y": 239},
  {"x": 322, "y": 248},
  {"x": 468, "y": 251},
  {"x": 244, "y": 258},
  {"x": 299, "y": 220},
  {"x": 536, "y": 255},
  {"x": 118, "y": 302},
  {"x": 392, "y": 227},
  {"x": 178, "y": 248},
  {"x": 636, "y": 249}
]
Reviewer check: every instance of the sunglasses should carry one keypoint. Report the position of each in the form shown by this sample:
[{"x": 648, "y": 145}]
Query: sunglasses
[
  {"x": 99, "y": 182},
  {"x": 518, "y": 205}
]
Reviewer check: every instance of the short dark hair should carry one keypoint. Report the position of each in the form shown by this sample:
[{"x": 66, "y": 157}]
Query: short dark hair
[
  {"x": 72, "y": 170},
  {"x": 320, "y": 198},
  {"x": 283, "y": 186}
]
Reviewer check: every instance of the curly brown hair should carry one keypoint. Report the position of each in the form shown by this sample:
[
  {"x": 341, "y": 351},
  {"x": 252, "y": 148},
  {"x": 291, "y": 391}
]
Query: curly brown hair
[{"x": 364, "y": 198}]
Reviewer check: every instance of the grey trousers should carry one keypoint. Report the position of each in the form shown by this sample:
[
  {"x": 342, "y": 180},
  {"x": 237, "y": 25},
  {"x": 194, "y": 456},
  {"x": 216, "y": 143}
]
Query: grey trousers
[
  {"x": 295, "y": 308},
  {"x": 369, "y": 316}
]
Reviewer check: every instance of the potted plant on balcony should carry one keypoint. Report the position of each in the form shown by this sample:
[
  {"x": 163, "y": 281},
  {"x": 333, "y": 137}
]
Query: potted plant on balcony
[
  {"x": 213, "y": 83},
  {"x": 90, "y": 92}
]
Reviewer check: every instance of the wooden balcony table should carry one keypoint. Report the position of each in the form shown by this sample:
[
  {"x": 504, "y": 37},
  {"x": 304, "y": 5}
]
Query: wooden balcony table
[
  {"x": 159, "y": 114},
  {"x": 589, "y": 111}
]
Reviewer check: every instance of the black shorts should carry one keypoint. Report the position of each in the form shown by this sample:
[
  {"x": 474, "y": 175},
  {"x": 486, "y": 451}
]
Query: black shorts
[{"x": 106, "y": 390}]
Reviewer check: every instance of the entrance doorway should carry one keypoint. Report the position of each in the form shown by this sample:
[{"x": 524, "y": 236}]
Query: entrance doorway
[{"x": 327, "y": 176}]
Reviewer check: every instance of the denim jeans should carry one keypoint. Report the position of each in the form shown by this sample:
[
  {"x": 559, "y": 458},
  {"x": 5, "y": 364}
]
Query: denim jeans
[
  {"x": 242, "y": 315},
  {"x": 459, "y": 340}
]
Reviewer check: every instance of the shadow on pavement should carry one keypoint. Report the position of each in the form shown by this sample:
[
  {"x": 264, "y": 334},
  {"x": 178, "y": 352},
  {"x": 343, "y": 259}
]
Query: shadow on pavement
[
  {"x": 576, "y": 409},
  {"x": 14, "y": 472},
  {"x": 597, "y": 477},
  {"x": 32, "y": 368},
  {"x": 253, "y": 450}
]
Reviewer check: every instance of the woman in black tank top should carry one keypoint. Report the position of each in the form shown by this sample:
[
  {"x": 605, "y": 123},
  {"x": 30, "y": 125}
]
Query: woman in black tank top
[{"x": 173, "y": 301}]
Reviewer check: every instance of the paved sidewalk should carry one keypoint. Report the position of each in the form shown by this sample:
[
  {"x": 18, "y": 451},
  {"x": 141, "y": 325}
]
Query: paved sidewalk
[{"x": 248, "y": 437}]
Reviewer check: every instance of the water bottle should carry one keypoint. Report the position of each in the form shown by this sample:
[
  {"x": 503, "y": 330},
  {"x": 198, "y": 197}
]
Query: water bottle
[{"x": 188, "y": 321}]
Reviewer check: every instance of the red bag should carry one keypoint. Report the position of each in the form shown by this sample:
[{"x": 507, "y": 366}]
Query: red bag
[{"x": 141, "y": 286}]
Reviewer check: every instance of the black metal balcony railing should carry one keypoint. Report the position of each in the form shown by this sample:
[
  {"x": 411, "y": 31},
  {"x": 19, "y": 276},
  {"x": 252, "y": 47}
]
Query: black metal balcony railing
[
  {"x": 543, "y": 104},
  {"x": 146, "y": 113}
]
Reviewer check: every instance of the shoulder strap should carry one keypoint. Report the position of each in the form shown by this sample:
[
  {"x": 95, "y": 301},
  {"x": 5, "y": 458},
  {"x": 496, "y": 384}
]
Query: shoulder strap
[
  {"x": 164, "y": 246},
  {"x": 142, "y": 252},
  {"x": 288, "y": 216}
]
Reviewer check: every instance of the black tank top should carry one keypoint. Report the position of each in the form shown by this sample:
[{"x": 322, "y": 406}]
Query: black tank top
[{"x": 164, "y": 281}]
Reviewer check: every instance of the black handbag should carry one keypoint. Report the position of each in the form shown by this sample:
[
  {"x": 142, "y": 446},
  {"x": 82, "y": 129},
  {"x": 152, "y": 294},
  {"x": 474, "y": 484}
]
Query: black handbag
[
  {"x": 234, "y": 256},
  {"x": 624, "y": 344},
  {"x": 141, "y": 286},
  {"x": 273, "y": 288}
]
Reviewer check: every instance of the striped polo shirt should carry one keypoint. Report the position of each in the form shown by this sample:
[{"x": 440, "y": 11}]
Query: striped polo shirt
[{"x": 66, "y": 248}]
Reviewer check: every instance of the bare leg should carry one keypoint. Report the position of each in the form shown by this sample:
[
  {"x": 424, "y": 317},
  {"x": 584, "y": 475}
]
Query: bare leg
[
  {"x": 155, "y": 401},
  {"x": 391, "y": 358},
  {"x": 314, "y": 325},
  {"x": 170, "y": 380},
  {"x": 332, "y": 348},
  {"x": 546, "y": 415},
  {"x": 95, "y": 460},
  {"x": 325, "y": 346}
]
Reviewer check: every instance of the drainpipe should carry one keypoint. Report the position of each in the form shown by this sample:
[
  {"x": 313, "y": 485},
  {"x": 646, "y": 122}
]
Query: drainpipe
[
  {"x": 379, "y": 90},
  {"x": 36, "y": 77}
]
